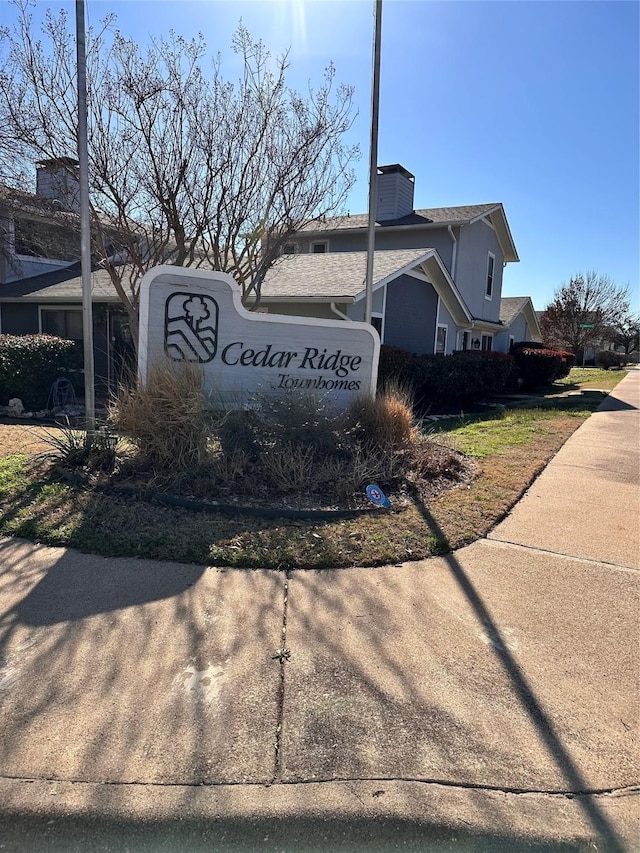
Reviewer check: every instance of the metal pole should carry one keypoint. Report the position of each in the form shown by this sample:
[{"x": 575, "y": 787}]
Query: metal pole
[
  {"x": 85, "y": 224},
  {"x": 373, "y": 163}
]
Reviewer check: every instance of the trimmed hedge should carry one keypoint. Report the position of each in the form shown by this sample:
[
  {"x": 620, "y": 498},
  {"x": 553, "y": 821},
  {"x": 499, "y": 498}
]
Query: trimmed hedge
[
  {"x": 568, "y": 361},
  {"x": 448, "y": 381},
  {"x": 30, "y": 364},
  {"x": 393, "y": 364},
  {"x": 537, "y": 367}
]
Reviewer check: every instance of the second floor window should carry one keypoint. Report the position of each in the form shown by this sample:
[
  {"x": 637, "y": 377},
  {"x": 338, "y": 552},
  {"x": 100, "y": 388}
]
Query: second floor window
[
  {"x": 490, "y": 267},
  {"x": 320, "y": 247},
  {"x": 289, "y": 249}
]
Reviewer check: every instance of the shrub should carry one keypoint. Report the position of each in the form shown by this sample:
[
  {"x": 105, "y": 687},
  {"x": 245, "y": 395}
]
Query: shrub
[
  {"x": 78, "y": 448},
  {"x": 236, "y": 432},
  {"x": 166, "y": 418},
  {"x": 459, "y": 379},
  {"x": 293, "y": 418},
  {"x": 607, "y": 359},
  {"x": 392, "y": 365},
  {"x": 568, "y": 361},
  {"x": 537, "y": 367},
  {"x": 30, "y": 364},
  {"x": 519, "y": 345}
]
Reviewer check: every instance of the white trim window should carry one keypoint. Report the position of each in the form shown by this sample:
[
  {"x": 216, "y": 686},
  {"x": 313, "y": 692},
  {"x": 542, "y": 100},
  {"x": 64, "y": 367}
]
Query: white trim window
[
  {"x": 288, "y": 249},
  {"x": 441, "y": 339},
  {"x": 491, "y": 266},
  {"x": 377, "y": 321},
  {"x": 487, "y": 343},
  {"x": 464, "y": 340},
  {"x": 319, "y": 247}
]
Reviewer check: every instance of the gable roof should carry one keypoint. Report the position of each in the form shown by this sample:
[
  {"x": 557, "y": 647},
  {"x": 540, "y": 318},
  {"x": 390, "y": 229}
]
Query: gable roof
[
  {"x": 512, "y": 306},
  {"x": 340, "y": 277},
  {"x": 62, "y": 285},
  {"x": 428, "y": 217}
]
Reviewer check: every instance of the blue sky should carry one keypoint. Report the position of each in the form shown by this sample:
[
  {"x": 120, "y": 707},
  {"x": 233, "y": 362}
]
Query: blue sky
[{"x": 534, "y": 104}]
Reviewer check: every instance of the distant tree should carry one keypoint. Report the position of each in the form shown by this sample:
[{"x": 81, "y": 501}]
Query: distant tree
[
  {"x": 185, "y": 168},
  {"x": 583, "y": 310},
  {"x": 627, "y": 334}
]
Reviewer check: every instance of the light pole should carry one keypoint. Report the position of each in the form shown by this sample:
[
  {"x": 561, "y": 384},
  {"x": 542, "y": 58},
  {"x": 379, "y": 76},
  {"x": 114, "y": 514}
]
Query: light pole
[
  {"x": 85, "y": 224},
  {"x": 373, "y": 162}
]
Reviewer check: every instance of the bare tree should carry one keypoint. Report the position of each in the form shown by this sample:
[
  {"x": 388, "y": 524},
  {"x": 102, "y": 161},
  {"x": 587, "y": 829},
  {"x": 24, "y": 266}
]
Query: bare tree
[
  {"x": 186, "y": 168},
  {"x": 626, "y": 334},
  {"x": 583, "y": 310}
]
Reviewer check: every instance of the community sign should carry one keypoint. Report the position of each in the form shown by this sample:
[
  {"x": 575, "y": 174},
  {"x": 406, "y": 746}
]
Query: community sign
[{"x": 197, "y": 316}]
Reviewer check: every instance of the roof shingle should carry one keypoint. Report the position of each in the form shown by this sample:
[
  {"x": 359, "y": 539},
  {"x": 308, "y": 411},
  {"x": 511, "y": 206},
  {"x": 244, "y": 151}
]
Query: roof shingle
[
  {"x": 425, "y": 216},
  {"x": 333, "y": 275}
]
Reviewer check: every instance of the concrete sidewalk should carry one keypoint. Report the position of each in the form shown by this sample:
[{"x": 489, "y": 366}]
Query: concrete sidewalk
[{"x": 487, "y": 700}]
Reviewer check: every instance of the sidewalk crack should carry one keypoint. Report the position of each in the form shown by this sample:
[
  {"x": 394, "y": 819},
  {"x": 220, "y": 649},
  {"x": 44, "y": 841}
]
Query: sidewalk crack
[{"x": 282, "y": 654}]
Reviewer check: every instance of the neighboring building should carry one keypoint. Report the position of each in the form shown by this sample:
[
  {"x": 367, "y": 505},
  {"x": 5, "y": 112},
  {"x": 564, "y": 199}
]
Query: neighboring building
[
  {"x": 437, "y": 273},
  {"x": 40, "y": 276},
  {"x": 520, "y": 320}
]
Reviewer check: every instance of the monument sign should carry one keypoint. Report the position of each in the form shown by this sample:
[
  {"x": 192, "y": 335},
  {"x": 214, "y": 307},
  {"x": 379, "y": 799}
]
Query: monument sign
[{"x": 197, "y": 316}]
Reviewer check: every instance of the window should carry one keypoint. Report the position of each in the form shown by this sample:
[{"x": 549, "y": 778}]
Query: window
[
  {"x": 289, "y": 249},
  {"x": 491, "y": 261},
  {"x": 63, "y": 322},
  {"x": 487, "y": 343},
  {"x": 376, "y": 322},
  {"x": 512, "y": 341},
  {"x": 320, "y": 247},
  {"x": 441, "y": 340},
  {"x": 465, "y": 341}
]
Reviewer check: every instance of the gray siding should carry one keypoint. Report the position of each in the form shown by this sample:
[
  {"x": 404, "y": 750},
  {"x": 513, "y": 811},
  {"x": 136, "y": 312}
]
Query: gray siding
[
  {"x": 410, "y": 319},
  {"x": 474, "y": 244},
  {"x": 389, "y": 238},
  {"x": 19, "y": 318},
  {"x": 520, "y": 331},
  {"x": 355, "y": 311}
]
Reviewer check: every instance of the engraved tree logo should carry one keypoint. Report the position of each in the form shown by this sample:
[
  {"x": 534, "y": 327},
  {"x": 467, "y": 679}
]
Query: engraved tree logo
[{"x": 191, "y": 327}]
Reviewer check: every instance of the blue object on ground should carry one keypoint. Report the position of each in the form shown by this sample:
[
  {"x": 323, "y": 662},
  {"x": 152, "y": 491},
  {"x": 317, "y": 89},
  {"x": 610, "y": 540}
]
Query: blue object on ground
[{"x": 376, "y": 496}]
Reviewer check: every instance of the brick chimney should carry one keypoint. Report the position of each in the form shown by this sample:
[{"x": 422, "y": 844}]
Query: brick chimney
[
  {"x": 57, "y": 180},
  {"x": 395, "y": 192}
]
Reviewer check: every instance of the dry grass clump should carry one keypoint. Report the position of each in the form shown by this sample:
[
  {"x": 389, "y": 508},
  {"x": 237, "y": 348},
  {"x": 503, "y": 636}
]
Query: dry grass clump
[
  {"x": 292, "y": 447},
  {"x": 166, "y": 418},
  {"x": 385, "y": 420}
]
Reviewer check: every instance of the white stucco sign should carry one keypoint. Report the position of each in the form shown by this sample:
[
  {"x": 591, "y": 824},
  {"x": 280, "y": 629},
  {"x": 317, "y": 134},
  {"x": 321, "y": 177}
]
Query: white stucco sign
[{"x": 197, "y": 316}]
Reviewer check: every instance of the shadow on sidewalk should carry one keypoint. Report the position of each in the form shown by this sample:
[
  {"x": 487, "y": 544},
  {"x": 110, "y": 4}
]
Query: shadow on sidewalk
[
  {"x": 542, "y": 722},
  {"x": 114, "y": 670},
  {"x": 67, "y": 592},
  {"x": 267, "y": 835}
]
